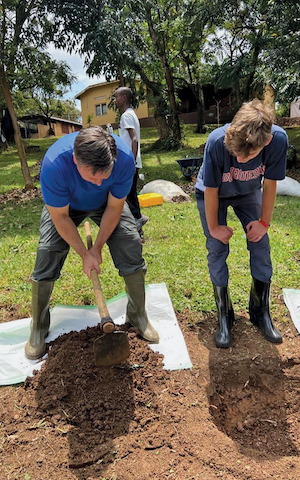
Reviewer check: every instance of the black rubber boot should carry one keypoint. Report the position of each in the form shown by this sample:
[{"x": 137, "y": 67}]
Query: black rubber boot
[
  {"x": 260, "y": 312},
  {"x": 35, "y": 348},
  {"x": 223, "y": 337},
  {"x": 136, "y": 313}
]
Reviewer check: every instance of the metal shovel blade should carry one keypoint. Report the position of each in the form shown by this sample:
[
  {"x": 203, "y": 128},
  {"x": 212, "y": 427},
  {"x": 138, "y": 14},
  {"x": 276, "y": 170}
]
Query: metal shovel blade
[{"x": 111, "y": 349}]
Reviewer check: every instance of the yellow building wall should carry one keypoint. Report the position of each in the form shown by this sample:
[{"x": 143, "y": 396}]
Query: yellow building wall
[
  {"x": 43, "y": 130},
  {"x": 101, "y": 95}
]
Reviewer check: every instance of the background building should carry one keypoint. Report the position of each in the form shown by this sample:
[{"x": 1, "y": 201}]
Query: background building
[
  {"x": 95, "y": 101},
  {"x": 37, "y": 126}
]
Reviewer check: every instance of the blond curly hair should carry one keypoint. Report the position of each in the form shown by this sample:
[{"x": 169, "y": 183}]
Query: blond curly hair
[{"x": 250, "y": 128}]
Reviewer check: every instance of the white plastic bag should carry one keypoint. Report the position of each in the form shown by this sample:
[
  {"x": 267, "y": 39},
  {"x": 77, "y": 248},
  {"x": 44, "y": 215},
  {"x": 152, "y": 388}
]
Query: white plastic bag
[
  {"x": 165, "y": 188},
  {"x": 292, "y": 300},
  {"x": 288, "y": 186}
]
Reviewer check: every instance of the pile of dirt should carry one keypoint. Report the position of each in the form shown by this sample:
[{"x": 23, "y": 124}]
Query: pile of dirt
[
  {"x": 288, "y": 121},
  {"x": 20, "y": 195},
  {"x": 234, "y": 415}
]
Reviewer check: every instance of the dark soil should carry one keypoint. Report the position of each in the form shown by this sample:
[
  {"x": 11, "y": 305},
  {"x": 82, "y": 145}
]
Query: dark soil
[{"x": 234, "y": 415}]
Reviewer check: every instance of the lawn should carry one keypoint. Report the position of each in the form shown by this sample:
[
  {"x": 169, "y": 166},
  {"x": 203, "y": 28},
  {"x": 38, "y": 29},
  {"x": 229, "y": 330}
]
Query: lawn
[{"x": 174, "y": 246}]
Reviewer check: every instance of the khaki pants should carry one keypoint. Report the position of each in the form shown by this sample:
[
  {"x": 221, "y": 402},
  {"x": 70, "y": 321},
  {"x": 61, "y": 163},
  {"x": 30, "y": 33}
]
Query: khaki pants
[{"x": 124, "y": 244}]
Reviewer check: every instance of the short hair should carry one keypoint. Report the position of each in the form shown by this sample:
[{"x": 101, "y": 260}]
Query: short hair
[
  {"x": 127, "y": 92},
  {"x": 250, "y": 128},
  {"x": 95, "y": 148}
]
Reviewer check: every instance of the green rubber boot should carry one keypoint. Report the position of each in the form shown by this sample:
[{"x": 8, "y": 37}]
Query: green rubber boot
[
  {"x": 136, "y": 313},
  {"x": 35, "y": 348}
]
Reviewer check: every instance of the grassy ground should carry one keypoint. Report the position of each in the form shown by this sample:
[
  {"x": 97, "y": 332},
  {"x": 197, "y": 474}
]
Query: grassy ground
[{"x": 174, "y": 249}]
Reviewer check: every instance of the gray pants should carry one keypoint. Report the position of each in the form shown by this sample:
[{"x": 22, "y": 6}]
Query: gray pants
[
  {"x": 247, "y": 208},
  {"x": 124, "y": 244}
]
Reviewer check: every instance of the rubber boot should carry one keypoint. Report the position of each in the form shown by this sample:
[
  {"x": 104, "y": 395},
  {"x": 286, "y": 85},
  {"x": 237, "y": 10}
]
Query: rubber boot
[
  {"x": 136, "y": 313},
  {"x": 223, "y": 337},
  {"x": 260, "y": 312},
  {"x": 39, "y": 328}
]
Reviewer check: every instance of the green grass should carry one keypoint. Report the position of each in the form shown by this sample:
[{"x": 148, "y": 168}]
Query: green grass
[
  {"x": 174, "y": 249},
  {"x": 11, "y": 174}
]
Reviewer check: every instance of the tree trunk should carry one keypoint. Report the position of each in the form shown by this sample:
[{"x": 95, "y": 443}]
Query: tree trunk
[
  {"x": 121, "y": 77},
  {"x": 160, "y": 108},
  {"x": 21, "y": 152},
  {"x": 161, "y": 123},
  {"x": 198, "y": 94},
  {"x": 256, "y": 52},
  {"x": 51, "y": 132},
  {"x": 175, "y": 117},
  {"x": 159, "y": 45}
]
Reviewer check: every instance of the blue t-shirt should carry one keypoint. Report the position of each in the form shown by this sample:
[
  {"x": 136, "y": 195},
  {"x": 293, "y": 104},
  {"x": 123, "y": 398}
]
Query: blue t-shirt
[
  {"x": 62, "y": 184},
  {"x": 221, "y": 170}
]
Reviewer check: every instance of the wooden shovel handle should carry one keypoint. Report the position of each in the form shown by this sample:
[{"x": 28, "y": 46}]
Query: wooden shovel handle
[{"x": 100, "y": 300}]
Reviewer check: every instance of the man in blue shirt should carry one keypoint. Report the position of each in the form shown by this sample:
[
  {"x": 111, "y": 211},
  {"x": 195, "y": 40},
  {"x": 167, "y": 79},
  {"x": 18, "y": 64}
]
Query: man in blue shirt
[
  {"x": 87, "y": 174},
  {"x": 236, "y": 159}
]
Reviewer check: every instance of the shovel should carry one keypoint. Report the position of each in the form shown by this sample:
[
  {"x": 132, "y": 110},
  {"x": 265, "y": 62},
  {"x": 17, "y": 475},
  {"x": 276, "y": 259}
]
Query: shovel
[{"x": 112, "y": 347}]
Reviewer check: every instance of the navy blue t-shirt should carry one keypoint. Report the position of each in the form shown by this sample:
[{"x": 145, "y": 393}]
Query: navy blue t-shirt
[
  {"x": 221, "y": 170},
  {"x": 62, "y": 184}
]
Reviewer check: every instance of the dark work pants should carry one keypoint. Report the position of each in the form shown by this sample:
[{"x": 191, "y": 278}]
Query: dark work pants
[
  {"x": 247, "y": 208},
  {"x": 132, "y": 198},
  {"x": 124, "y": 244}
]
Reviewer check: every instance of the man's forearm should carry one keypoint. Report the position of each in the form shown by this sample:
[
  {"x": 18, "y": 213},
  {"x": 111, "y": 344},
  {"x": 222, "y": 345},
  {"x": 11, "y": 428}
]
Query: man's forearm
[
  {"x": 134, "y": 141},
  {"x": 134, "y": 148},
  {"x": 109, "y": 221},
  {"x": 268, "y": 200},
  {"x": 211, "y": 207},
  {"x": 68, "y": 231}
]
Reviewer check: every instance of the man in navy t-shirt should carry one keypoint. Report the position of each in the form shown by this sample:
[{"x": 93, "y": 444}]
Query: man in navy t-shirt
[
  {"x": 87, "y": 174},
  {"x": 236, "y": 159}
]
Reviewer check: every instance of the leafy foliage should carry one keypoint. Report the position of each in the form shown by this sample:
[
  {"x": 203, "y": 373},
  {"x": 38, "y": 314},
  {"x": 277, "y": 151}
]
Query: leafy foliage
[
  {"x": 43, "y": 91},
  {"x": 254, "y": 42}
]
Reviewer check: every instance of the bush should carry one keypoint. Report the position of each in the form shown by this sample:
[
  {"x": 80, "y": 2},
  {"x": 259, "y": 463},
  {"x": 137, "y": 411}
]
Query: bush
[{"x": 283, "y": 110}]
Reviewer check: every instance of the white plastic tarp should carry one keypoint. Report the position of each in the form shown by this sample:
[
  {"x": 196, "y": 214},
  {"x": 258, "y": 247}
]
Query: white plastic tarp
[
  {"x": 295, "y": 108},
  {"x": 292, "y": 300},
  {"x": 15, "y": 367}
]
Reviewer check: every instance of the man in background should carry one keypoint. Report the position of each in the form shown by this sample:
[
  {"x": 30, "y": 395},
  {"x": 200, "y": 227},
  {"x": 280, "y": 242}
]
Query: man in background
[{"x": 129, "y": 131}]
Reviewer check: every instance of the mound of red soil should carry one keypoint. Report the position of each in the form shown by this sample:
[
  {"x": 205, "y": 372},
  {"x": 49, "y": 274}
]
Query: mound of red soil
[{"x": 234, "y": 415}]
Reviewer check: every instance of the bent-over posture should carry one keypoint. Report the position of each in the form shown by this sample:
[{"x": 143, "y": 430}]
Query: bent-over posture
[
  {"x": 87, "y": 174},
  {"x": 237, "y": 158}
]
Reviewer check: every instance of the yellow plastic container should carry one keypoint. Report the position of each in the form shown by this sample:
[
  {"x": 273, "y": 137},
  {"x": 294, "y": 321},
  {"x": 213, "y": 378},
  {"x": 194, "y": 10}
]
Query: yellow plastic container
[{"x": 150, "y": 199}]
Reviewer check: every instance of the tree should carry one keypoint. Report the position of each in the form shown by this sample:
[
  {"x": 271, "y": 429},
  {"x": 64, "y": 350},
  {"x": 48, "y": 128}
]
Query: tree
[
  {"x": 118, "y": 39},
  {"x": 60, "y": 108},
  {"x": 254, "y": 39},
  {"x": 192, "y": 65},
  {"x": 5, "y": 27},
  {"x": 24, "y": 28},
  {"x": 44, "y": 81},
  {"x": 19, "y": 24}
]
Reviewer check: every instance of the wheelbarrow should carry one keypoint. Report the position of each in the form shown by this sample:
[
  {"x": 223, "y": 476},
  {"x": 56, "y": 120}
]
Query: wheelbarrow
[{"x": 190, "y": 166}]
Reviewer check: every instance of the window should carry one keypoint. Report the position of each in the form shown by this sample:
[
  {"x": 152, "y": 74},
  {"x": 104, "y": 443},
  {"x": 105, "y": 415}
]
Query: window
[
  {"x": 101, "y": 109},
  {"x": 33, "y": 128}
]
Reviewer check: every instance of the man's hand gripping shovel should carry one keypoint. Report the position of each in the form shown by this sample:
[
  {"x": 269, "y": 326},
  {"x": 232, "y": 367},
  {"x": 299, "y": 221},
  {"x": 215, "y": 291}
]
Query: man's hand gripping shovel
[{"x": 112, "y": 347}]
